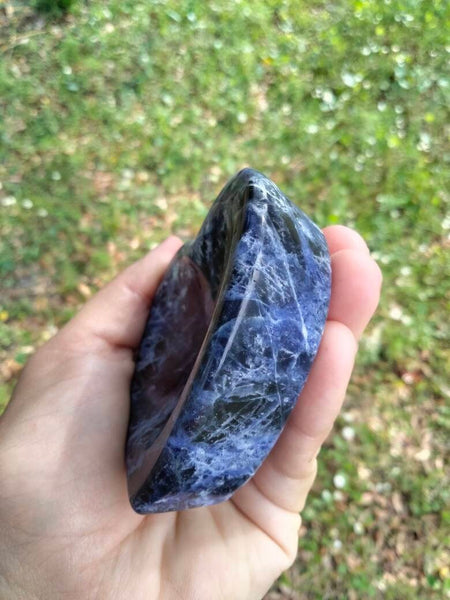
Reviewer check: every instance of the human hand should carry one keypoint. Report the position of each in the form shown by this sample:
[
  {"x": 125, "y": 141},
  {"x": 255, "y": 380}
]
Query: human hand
[{"x": 67, "y": 528}]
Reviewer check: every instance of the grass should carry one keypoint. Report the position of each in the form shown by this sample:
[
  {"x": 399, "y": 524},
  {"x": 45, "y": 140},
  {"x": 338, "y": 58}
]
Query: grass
[{"x": 121, "y": 121}]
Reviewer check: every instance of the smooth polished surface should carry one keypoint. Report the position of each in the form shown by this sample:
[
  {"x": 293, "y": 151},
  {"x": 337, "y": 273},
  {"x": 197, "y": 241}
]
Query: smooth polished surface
[{"x": 230, "y": 339}]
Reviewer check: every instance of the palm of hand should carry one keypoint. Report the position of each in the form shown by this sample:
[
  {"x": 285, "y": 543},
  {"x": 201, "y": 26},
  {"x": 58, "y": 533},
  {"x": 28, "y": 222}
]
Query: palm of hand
[{"x": 69, "y": 531}]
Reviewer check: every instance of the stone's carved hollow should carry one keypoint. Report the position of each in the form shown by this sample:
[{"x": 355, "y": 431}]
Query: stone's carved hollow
[{"x": 228, "y": 345}]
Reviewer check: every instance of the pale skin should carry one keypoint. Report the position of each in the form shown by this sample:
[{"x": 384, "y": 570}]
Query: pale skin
[{"x": 67, "y": 529}]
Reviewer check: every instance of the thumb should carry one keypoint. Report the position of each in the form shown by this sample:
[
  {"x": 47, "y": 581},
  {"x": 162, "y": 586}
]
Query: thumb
[
  {"x": 99, "y": 340},
  {"x": 117, "y": 314}
]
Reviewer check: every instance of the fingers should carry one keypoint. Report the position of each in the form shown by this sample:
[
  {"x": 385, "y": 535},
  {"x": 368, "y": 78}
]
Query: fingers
[
  {"x": 117, "y": 314},
  {"x": 289, "y": 471},
  {"x": 342, "y": 238},
  {"x": 355, "y": 289}
]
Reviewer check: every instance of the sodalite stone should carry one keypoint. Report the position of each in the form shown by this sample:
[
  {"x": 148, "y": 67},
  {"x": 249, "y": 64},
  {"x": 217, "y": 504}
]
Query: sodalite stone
[{"x": 228, "y": 345}]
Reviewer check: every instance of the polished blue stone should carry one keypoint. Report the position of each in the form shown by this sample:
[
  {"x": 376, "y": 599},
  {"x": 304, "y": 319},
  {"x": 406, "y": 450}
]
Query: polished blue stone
[{"x": 228, "y": 345}]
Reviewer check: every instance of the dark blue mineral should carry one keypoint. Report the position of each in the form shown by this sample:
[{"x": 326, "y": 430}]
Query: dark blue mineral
[{"x": 228, "y": 345}]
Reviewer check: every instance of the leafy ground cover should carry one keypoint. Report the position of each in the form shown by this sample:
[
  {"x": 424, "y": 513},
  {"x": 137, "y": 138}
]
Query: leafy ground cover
[{"x": 120, "y": 121}]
